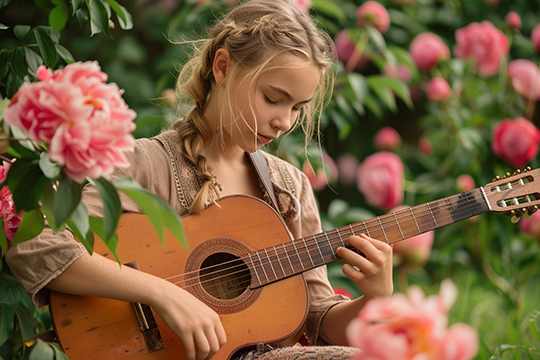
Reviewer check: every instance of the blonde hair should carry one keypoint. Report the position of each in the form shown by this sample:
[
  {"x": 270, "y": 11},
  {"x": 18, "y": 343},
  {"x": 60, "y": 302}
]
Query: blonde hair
[{"x": 255, "y": 34}]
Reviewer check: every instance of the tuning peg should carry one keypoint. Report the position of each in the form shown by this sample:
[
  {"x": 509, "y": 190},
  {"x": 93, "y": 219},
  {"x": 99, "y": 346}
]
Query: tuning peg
[{"x": 515, "y": 219}]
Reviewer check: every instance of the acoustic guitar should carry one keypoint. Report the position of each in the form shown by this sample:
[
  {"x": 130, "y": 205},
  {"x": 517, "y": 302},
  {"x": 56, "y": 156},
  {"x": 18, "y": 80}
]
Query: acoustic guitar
[{"x": 243, "y": 263}]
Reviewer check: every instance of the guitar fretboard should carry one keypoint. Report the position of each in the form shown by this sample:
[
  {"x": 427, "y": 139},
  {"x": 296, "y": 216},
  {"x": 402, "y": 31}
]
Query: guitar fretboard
[{"x": 300, "y": 255}]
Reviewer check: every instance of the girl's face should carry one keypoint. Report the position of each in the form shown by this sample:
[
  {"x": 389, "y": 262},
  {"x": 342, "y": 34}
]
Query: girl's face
[{"x": 276, "y": 100}]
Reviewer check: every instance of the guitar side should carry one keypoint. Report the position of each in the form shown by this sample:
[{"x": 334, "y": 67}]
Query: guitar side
[{"x": 272, "y": 314}]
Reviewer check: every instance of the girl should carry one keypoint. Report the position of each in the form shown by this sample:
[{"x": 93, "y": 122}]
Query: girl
[{"x": 264, "y": 69}]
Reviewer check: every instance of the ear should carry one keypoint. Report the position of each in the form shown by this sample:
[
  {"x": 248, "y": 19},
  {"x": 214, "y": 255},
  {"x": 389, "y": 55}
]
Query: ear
[{"x": 220, "y": 67}]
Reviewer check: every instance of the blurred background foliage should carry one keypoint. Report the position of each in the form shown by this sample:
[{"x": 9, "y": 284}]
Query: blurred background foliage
[{"x": 141, "y": 44}]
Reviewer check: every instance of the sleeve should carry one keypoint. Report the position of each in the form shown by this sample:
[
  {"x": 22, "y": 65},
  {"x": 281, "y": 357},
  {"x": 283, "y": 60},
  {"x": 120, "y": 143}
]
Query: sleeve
[
  {"x": 34, "y": 263},
  {"x": 320, "y": 291}
]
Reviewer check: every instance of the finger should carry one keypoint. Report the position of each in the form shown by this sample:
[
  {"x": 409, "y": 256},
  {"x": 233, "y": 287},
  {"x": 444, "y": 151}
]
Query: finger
[
  {"x": 203, "y": 346},
  {"x": 221, "y": 334},
  {"x": 189, "y": 347},
  {"x": 213, "y": 342},
  {"x": 353, "y": 273}
]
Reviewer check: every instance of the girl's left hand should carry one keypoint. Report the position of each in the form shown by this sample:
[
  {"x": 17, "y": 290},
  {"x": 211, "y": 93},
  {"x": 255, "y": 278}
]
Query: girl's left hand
[{"x": 372, "y": 273}]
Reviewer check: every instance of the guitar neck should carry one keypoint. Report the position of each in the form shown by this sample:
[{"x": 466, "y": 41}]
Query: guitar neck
[{"x": 279, "y": 262}]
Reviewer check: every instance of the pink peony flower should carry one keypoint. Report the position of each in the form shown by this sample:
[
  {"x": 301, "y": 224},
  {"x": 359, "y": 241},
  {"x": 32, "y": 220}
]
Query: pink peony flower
[
  {"x": 12, "y": 220},
  {"x": 347, "y": 52},
  {"x": 320, "y": 179},
  {"x": 380, "y": 178},
  {"x": 372, "y": 13},
  {"x": 483, "y": 43},
  {"x": 535, "y": 37},
  {"x": 515, "y": 141},
  {"x": 347, "y": 169},
  {"x": 85, "y": 121},
  {"x": 302, "y": 5},
  {"x": 531, "y": 226},
  {"x": 524, "y": 77},
  {"x": 438, "y": 90},
  {"x": 427, "y": 49},
  {"x": 386, "y": 138},
  {"x": 513, "y": 20},
  {"x": 412, "y": 327},
  {"x": 465, "y": 183},
  {"x": 415, "y": 250}
]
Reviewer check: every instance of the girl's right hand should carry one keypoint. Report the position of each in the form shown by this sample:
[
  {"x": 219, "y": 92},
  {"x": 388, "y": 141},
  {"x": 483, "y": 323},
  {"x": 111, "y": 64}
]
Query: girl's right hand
[{"x": 198, "y": 326}]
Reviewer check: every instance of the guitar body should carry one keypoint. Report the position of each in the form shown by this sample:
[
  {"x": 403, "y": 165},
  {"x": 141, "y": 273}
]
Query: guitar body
[{"x": 273, "y": 314}]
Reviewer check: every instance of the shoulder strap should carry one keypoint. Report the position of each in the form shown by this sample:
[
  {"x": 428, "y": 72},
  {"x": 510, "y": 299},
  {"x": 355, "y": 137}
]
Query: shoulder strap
[{"x": 261, "y": 166}]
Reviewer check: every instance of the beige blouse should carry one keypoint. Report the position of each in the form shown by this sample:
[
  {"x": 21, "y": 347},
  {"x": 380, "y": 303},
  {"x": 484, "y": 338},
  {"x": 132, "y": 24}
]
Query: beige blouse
[{"x": 158, "y": 165}]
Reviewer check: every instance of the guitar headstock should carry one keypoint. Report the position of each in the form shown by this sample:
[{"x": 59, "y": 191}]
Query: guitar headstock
[{"x": 516, "y": 194}]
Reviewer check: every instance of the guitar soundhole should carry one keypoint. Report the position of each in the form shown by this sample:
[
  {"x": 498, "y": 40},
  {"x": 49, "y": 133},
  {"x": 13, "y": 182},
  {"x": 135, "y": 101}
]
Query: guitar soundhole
[{"x": 224, "y": 276}]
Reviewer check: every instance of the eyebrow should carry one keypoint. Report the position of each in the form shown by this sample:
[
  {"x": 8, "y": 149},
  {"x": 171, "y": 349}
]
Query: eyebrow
[{"x": 287, "y": 95}]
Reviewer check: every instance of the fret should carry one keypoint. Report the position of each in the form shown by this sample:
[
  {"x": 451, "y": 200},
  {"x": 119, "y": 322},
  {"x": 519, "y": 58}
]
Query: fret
[
  {"x": 382, "y": 228},
  {"x": 271, "y": 265},
  {"x": 449, "y": 207},
  {"x": 262, "y": 266},
  {"x": 332, "y": 252},
  {"x": 319, "y": 248},
  {"x": 340, "y": 238},
  {"x": 255, "y": 269},
  {"x": 279, "y": 262},
  {"x": 299, "y": 258},
  {"x": 397, "y": 222},
  {"x": 415, "y": 222},
  {"x": 307, "y": 250},
  {"x": 352, "y": 230},
  {"x": 288, "y": 258},
  {"x": 431, "y": 212},
  {"x": 366, "y": 228}
]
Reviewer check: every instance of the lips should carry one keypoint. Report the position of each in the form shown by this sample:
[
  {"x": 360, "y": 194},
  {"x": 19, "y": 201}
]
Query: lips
[{"x": 265, "y": 140}]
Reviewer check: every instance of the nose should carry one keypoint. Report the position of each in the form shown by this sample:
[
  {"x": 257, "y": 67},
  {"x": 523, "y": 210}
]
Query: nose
[{"x": 284, "y": 121}]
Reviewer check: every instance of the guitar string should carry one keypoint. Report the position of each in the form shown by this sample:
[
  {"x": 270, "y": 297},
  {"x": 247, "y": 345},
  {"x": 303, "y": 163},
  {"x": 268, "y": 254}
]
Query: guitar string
[
  {"x": 313, "y": 242},
  {"x": 333, "y": 238}
]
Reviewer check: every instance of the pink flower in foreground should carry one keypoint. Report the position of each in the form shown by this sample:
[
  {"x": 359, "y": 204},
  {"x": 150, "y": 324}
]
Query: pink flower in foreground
[
  {"x": 7, "y": 207},
  {"x": 372, "y": 13},
  {"x": 427, "y": 49},
  {"x": 438, "y": 90},
  {"x": 515, "y": 141},
  {"x": 85, "y": 121},
  {"x": 412, "y": 327},
  {"x": 386, "y": 138},
  {"x": 513, "y": 20},
  {"x": 535, "y": 37},
  {"x": 342, "y": 291},
  {"x": 483, "y": 43},
  {"x": 380, "y": 179},
  {"x": 531, "y": 226},
  {"x": 320, "y": 179},
  {"x": 524, "y": 76},
  {"x": 415, "y": 250}
]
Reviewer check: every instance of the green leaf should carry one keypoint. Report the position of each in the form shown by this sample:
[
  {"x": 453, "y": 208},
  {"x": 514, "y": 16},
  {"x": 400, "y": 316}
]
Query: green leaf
[
  {"x": 33, "y": 59},
  {"x": 58, "y": 353},
  {"x": 77, "y": 4},
  {"x": 47, "y": 203},
  {"x": 58, "y": 15},
  {"x": 377, "y": 38},
  {"x": 79, "y": 224},
  {"x": 4, "y": 59},
  {"x": 26, "y": 182},
  {"x": 6, "y": 322},
  {"x": 120, "y": 12},
  {"x": 358, "y": 85},
  {"x": 31, "y": 225},
  {"x": 66, "y": 199},
  {"x": 50, "y": 169},
  {"x": 330, "y": 8},
  {"x": 372, "y": 105},
  {"x": 46, "y": 47},
  {"x": 21, "y": 32},
  {"x": 26, "y": 321},
  {"x": 18, "y": 62},
  {"x": 111, "y": 205},
  {"x": 99, "y": 17},
  {"x": 383, "y": 90},
  {"x": 41, "y": 351},
  {"x": 157, "y": 210},
  {"x": 64, "y": 54},
  {"x": 3, "y": 27},
  {"x": 97, "y": 226},
  {"x": 13, "y": 84}
]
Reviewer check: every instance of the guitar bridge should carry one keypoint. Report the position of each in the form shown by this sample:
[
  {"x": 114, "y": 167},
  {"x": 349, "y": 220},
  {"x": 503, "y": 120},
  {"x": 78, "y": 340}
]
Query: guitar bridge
[{"x": 147, "y": 321}]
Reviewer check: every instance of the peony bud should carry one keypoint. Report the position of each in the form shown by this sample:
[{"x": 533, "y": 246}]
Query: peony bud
[
  {"x": 513, "y": 20},
  {"x": 372, "y": 13},
  {"x": 386, "y": 138},
  {"x": 438, "y": 90},
  {"x": 465, "y": 183},
  {"x": 427, "y": 49}
]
